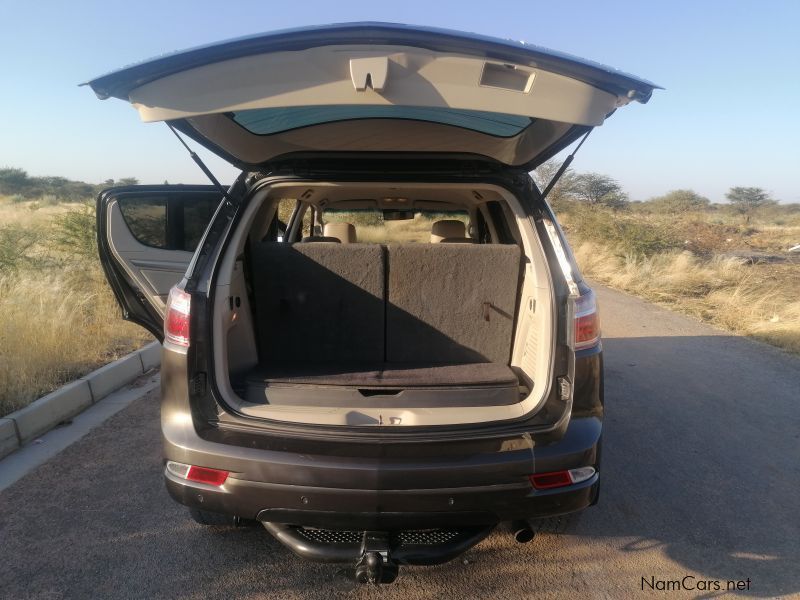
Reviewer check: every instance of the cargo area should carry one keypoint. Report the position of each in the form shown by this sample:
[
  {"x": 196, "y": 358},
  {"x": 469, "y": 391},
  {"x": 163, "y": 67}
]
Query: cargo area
[{"x": 330, "y": 328}]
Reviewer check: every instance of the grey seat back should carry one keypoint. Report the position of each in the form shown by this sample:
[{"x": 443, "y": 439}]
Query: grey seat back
[
  {"x": 319, "y": 302},
  {"x": 451, "y": 303}
]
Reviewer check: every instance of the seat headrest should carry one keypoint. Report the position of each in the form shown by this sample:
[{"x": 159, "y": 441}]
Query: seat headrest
[
  {"x": 448, "y": 228},
  {"x": 320, "y": 238},
  {"x": 344, "y": 232}
]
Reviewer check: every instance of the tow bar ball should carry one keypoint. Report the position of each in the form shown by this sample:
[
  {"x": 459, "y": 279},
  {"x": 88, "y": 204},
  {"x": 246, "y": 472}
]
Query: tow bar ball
[{"x": 374, "y": 568}]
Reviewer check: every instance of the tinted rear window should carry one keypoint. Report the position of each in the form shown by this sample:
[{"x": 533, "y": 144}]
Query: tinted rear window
[
  {"x": 372, "y": 226},
  {"x": 147, "y": 219},
  {"x": 266, "y": 121},
  {"x": 175, "y": 222}
]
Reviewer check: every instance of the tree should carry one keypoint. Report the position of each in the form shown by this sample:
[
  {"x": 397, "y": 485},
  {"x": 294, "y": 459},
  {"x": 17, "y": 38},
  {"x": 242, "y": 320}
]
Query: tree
[
  {"x": 745, "y": 200},
  {"x": 678, "y": 201},
  {"x": 128, "y": 181},
  {"x": 595, "y": 188},
  {"x": 13, "y": 181},
  {"x": 563, "y": 189}
]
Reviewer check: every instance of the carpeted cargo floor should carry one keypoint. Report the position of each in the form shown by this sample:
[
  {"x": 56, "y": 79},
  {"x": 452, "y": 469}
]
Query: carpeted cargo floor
[{"x": 400, "y": 375}]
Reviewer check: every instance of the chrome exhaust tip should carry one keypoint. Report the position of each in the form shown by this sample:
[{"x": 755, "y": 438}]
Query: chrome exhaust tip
[{"x": 523, "y": 533}]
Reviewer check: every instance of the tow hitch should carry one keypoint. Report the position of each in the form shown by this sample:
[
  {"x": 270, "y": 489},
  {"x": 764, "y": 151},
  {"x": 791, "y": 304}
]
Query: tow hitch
[
  {"x": 377, "y": 555},
  {"x": 376, "y": 564}
]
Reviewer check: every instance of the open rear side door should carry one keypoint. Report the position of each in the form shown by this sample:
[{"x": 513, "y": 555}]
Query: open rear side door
[{"x": 146, "y": 236}]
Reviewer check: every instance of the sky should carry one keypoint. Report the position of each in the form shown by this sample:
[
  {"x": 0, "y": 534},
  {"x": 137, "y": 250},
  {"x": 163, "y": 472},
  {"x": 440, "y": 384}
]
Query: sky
[{"x": 728, "y": 116}]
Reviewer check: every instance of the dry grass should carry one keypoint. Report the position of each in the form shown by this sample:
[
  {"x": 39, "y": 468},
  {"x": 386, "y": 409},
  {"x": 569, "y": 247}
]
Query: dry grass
[
  {"x": 30, "y": 213},
  {"x": 412, "y": 230},
  {"x": 58, "y": 318},
  {"x": 761, "y": 301},
  {"x": 370, "y": 228}
]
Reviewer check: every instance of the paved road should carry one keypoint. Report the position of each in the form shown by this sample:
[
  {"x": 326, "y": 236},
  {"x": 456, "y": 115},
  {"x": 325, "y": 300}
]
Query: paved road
[{"x": 700, "y": 478}]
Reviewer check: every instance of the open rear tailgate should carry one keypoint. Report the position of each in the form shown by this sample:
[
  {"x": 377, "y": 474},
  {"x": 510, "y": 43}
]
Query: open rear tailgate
[{"x": 372, "y": 87}]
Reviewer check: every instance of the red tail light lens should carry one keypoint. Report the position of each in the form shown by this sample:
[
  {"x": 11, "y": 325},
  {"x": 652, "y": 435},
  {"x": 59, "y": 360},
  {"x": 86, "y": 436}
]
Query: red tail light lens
[
  {"x": 544, "y": 481},
  {"x": 176, "y": 322},
  {"x": 556, "y": 479},
  {"x": 587, "y": 321},
  {"x": 204, "y": 475}
]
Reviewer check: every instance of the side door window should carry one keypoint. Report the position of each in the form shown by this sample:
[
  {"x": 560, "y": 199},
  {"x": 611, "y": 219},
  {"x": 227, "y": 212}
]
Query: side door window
[{"x": 168, "y": 222}]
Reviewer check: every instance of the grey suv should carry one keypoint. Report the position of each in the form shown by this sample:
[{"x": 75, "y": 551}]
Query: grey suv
[{"x": 376, "y": 342}]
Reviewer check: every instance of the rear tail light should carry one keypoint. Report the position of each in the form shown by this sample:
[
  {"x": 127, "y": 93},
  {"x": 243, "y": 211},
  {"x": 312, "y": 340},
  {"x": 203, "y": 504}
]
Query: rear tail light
[
  {"x": 556, "y": 479},
  {"x": 214, "y": 477},
  {"x": 176, "y": 322},
  {"x": 209, "y": 476},
  {"x": 587, "y": 321},
  {"x": 545, "y": 481}
]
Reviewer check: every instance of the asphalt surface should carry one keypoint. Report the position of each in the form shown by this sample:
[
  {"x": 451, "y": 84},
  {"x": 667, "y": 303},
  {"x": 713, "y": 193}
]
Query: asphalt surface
[{"x": 700, "y": 478}]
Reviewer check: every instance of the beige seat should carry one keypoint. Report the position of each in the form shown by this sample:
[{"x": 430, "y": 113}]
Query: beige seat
[
  {"x": 344, "y": 232},
  {"x": 449, "y": 231}
]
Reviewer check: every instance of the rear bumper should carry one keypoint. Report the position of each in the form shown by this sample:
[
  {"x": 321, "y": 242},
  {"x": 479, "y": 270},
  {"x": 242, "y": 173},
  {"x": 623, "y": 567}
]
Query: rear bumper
[
  {"x": 478, "y": 484},
  {"x": 385, "y": 509}
]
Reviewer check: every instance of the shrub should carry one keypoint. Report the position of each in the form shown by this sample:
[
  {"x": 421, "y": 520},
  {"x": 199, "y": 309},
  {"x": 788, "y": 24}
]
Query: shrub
[
  {"x": 677, "y": 201},
  {"x": 627, "y": 234},
  {"x": 15, "y": 243},
  {"x": 75, "y": 233}
]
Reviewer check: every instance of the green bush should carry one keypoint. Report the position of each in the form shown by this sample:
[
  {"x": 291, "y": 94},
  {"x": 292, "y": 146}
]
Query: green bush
[
  {"x": 15, "y": 243},
  {"x": 675, "y": 202},
  {"x": 75, "y": 233},
  {"x": 626, "y": 233}
]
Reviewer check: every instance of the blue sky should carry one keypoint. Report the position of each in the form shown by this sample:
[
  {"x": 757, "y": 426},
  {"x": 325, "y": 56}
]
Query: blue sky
[{"x": 728, "y": 116}]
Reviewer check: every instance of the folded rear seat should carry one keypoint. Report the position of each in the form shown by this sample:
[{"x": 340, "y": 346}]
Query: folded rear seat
[
  {"x": 331, "y": 315},
  {"x": 319, "y": 303},
  {"x": 451, "y": 303}
]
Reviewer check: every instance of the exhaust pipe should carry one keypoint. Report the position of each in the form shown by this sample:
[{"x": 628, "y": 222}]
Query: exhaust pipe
[{"x": 523, "y": 533}]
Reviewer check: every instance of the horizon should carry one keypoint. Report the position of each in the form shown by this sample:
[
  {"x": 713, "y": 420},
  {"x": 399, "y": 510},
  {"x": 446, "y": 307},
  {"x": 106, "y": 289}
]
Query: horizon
[
  {"x": 122, "y": 181},
  {"x": 726, "y": 118}
]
